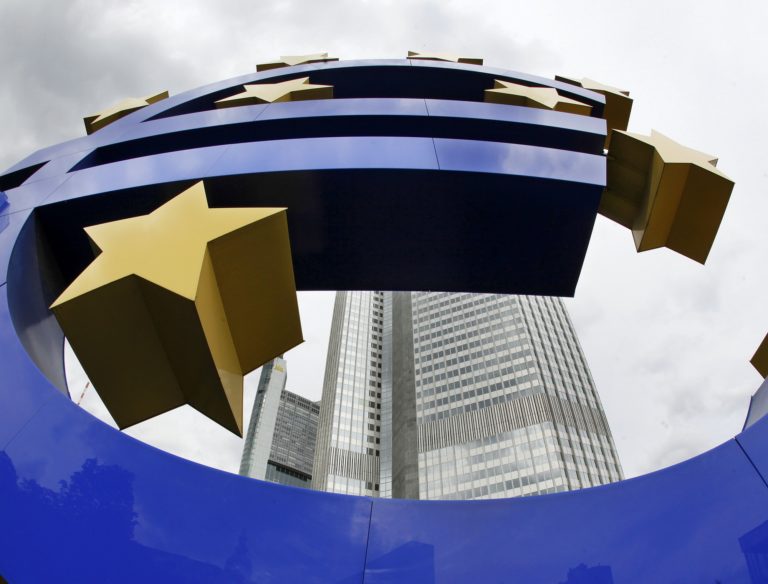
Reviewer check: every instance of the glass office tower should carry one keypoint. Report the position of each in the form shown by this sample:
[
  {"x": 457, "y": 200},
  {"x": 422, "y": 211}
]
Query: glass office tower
[
  {"x": 280, "y": 442},
  {"x": 458, "y": 396},
  {"x": 350, "y": 424}
]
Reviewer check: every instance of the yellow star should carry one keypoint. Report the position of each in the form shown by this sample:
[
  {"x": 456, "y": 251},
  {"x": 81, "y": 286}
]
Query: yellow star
[
  {"x": 674, "y": 152},
  {"x": 179, "y": 305},
  {"x": 593, "y": 85},
  {"x": 292, "y": 90},
  {"x": 443, "y": 57},
  {"x": 669, "y": 195},
  {"x": 291, "y": 60},
  {"x": 119, "y": 110},
  {"x": 540, "y": 97},
  {"x": 618, "y": 104},
  {"x": 760, "y": 358}
]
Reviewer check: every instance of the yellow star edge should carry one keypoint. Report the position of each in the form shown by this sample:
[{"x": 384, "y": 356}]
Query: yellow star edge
[
  {"x": 293, "y": 60},
  {"x": 508, "y": 93},
  {"x": 618, "y": 104},
  {"x": 119, "y": 110},
  {"x": 419, "y": 56},
  {"x": 667, "y": 194},
  {"x": 592, "y": 85},
  {"x": 760, "y": 359},
  {"x": 153, "y": 339},
  {"x": 291, "y": 90}
]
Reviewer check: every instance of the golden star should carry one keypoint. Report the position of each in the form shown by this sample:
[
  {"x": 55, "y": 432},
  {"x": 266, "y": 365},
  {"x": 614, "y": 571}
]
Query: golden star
[
  {"x": 443, "y": 57},
  {"x": 540, "y": 97},
  {"x": 119, "y": 110},
  {"x": 669, "y": 195},
  {"x": 674, "y": 152},
  {"x": 618, "y": 104},
  {"x": 593, "y": 85},
  {"x": 290, "y": 61},
  {"x": 179, "y": 305},
  {"x": 292, "y": 90}
]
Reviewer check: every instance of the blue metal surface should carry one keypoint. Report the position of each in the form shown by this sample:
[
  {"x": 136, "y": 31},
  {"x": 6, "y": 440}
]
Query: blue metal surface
[
  {"x": 10, "y": 227},
  {"x": 682, "y": 524},
  {"x": 424, "y": 208},
  {"x": 391, "y": 78},
  {"x": 156, "y": 518},
  {"x": 359, "y": 205},
  {"x": 77, "y": 145},
  {"x": 355, "y": 117},
  {"x": 597, "y": 101},
  {"x": 21, "y": 392},
  {"x": 754, "y": 441},
  {"x": 11, "y": 180},
  {"x": 32, "y": 193},
  {"x": 516, "y": 159}
]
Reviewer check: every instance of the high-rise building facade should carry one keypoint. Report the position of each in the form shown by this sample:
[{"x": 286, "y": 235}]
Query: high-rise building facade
[
  {"x": 458, "y": 396},
  {"x": 350, "y": 425},
  {"x": 280, "y": 442}
]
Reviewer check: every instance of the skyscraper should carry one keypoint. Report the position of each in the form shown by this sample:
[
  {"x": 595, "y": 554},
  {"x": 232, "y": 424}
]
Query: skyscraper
[
  {"x": 280, "y": 442},
  {"x": 349, "y": 428},
  {"x": 437, "y": 395}
]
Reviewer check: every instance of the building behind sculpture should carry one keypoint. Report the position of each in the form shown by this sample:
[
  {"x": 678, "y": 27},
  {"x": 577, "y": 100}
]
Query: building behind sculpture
[
  {"x": 458, "y": 396},
  {"x": 280, "y": 442}
]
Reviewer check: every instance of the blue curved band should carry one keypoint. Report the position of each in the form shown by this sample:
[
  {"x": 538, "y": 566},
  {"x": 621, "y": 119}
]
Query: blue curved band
[{"x": 406, "y": 159}]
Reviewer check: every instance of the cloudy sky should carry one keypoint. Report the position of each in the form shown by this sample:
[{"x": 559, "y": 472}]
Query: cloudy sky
[{"x": 668, "y": 340}]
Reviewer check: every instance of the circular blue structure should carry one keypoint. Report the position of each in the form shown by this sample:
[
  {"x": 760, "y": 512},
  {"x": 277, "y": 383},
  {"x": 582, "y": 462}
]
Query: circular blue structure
[{"x": 405, "y": 157}]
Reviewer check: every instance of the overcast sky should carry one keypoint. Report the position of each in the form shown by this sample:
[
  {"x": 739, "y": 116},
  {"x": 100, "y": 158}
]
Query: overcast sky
[{"x": 668, "y": 341}]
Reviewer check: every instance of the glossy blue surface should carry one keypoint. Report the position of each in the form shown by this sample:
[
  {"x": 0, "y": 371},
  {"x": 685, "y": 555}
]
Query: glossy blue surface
[
  {"x": 426, "y": 209},
  {"x": 754, "y": 442},
  {"x": 566, "y": 89},
  {"x": 391, "y": 78},
  {"x": 359, "y": 204},
  {"x": 496, "y": 158},
  {"x": 142, "y": 511},
  {"x": 682, "y": 524},
  {"x": 10, "y": 227},
  {"x": 75, "y": 146},
  {"x": 354, "y": 117},
  {"x": 32, "y": 193},
  {"x": 22, "y": 390}
]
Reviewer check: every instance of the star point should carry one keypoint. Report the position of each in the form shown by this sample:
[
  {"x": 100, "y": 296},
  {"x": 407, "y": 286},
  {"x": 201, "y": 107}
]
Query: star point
[
  {"x": 760, "y": 359},
  {"x": 618, "y": 104},
  {"x": 179, "y": 305},
  {"x": 674, "y": 152},
  {"x": 505, "y": 92},
  {"x": 292, "y": 60},
  {"x": 419, "y": 56},
  {"x": 593, "y": 85},
  {"x": 291, "y": 90},
  {"x": 119, "y": 110}
]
